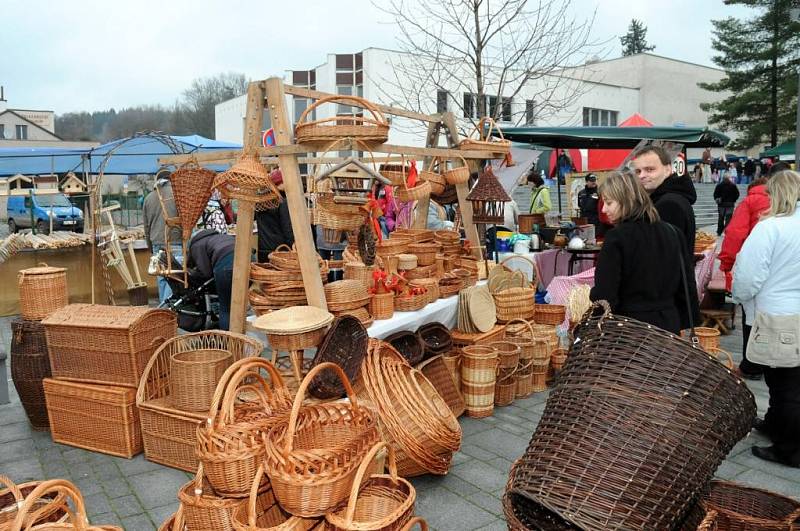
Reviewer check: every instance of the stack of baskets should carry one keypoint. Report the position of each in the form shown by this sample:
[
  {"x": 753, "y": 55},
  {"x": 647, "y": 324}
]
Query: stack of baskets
[
  {"x": 522, "y": 335},
  {"x": 359, "y": 271},
  {"x": 505, "y": 388},
  {"x": 279, "y": 283},
  {"x": 449, "y": 240},
  {"x": 42, "y": 290},
  {"x": 349, "y": 297},
  {"x": 97, "y": 357},
  {"x": 478, "y": 378}
]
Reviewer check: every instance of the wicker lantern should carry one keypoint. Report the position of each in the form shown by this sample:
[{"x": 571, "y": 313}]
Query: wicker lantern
[{"x": 488, "y": 199}]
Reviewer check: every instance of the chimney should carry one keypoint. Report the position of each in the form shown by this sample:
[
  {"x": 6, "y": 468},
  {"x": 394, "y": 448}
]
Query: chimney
[{"x": 3, "y": 104}]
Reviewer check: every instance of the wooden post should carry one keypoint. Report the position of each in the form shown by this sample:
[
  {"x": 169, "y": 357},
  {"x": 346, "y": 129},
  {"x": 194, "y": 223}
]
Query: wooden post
[
  {"x": 432, "y": 140},
  {"x": 244, "y": 221},
  {"x": 301, "y": 225}
]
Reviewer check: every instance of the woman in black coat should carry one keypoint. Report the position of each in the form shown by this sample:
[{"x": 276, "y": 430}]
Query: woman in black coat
[{"x": 639, "y": 267}]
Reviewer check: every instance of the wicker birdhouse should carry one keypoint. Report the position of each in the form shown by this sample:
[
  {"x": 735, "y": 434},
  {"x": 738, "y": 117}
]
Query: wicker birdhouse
[
  {"x": 488, "y": 199},
  {"x": 351, "y": 181}
]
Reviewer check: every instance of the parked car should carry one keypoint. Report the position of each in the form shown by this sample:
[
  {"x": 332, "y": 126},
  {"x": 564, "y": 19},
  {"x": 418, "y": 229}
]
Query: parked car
[{"x": 65, "y": 216}]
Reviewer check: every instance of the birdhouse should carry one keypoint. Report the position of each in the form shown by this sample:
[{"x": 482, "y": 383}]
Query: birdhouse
[
  {"x": 73, "y": 185},
  {"x": 18, "y": 184},
  {"x": 488, "y": 198},
  {"x": 46, "y": 182},
  {"x": 351, "y": 181}
]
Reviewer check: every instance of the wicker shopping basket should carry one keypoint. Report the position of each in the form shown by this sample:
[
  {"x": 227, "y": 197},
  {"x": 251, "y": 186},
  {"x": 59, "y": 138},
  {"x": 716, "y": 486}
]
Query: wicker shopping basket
[
  {"x": 42, "y": 290},
  {"x": 203, "y": 508},
  {"x": 47, "y": 509},
  {"x": 66, "y": 499},
  {"x": 311, "y": 460},
  {"x": 371, "y": 128},
  {"x": 549, "y": 314},
  {"x": 261, "y": 512}
]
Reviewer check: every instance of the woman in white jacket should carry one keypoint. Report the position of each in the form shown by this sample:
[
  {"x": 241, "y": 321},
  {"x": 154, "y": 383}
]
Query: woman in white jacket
[{"x": 766, "y": 280}]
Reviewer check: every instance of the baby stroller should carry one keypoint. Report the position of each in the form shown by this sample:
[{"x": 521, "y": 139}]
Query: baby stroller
[{"x": 197, "y": 305}]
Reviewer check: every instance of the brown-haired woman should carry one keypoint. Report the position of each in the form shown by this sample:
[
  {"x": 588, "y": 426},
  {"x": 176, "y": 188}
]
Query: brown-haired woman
[{"x": 639, "y": 267}]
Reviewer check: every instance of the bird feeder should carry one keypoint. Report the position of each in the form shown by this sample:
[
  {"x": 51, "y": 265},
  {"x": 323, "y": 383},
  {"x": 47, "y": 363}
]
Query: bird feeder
[{"x": 488, "y": 199}]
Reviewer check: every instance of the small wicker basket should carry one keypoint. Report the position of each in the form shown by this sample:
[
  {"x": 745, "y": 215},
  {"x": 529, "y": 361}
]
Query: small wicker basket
[
  {"x": 194, "y": 375},
  {"x": 381, "y": 305}
]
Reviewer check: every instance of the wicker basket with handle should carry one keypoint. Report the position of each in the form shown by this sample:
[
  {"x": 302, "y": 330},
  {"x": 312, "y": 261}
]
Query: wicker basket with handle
[
  {"x": 549, "y": 314},
  {"x": 42, "y": 290},
  {"x": 47, "y": 509},
  {"x": 371, "y": 128},
  {"x": 261, "y": 512},
  {"x": 457, "y": 174},
  {"x": 381, "y": 305},
  {"x": 481, "y": 138},
  {"x": 205, "y": 509},
  {"x": 420, "y": 191}
]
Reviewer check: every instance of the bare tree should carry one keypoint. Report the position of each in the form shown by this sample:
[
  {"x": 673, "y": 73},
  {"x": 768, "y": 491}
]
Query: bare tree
[
  {"x": 197, "y": 111},
  {"x": 491, "y": 52}
]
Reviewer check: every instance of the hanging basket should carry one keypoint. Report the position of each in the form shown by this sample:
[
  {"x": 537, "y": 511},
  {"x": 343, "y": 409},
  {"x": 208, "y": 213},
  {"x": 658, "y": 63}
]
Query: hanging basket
[
  {"x": 421, "y": 191},
  {"x": 371, "y": 128},
  {"x": 248, "y": 180},
  {"x": 191, "y": 188},
  {"x": 457, "y": 175},
  {"x": 480, "y": 139},
  {"x": 396, "y": 173},
  {"x": 433, "y": 175}
]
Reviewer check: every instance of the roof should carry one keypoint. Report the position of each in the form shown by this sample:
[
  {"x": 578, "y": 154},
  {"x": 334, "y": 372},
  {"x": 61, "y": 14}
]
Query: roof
[
  {"x": 32, "y": 123},
  {"x": 627, "y": 57},
  {"x": 612, "y": 137},
  {"x": 787, "y": 148}
]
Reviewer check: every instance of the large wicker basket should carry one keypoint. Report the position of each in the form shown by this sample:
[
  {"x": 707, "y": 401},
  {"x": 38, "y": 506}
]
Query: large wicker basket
[
  {"x": 371, "y": 128},
  {"x": 481, "y": 138},
  {"x": 170, "y": 434},
  {"x": 746, "y": 508},
  {"x": 12, "y": 497},
  {"x": 42, "y": 290},
  {"x": 30, "y": 364}
]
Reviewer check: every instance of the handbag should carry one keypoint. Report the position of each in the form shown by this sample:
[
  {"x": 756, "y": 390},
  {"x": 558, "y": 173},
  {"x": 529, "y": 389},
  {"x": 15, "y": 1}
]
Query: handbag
[
  {"x": 774, "y": 340},
  {"x": 692, "y": 334}
]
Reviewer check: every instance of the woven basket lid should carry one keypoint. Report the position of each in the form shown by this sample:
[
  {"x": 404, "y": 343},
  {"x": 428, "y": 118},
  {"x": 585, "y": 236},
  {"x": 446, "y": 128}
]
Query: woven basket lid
[
  {"x": 42, "y": 269},
  {"x": 482, "y": 311},
  {"x": 345, "y": 291},
  {"x": 293, "y": 320}
]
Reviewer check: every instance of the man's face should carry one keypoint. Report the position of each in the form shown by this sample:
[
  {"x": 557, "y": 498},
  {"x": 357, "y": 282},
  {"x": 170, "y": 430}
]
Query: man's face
[
  {"x": 591, "y": 184},
  {"x": 650, "y": 171}
]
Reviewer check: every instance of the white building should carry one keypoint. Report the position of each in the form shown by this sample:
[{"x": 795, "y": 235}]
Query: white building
[{"x": 661, "y": 89}]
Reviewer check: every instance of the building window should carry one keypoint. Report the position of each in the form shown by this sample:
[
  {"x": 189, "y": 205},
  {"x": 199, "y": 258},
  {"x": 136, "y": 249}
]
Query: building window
[
  {"x": 599, "y": 117},
  {"x": 505, "y": 110},
  {"x": 470, "y": 108},
  {"x": 22, "y": 132},
  {"x": 441, "y": 100},
  {"x": 300, "y": 105},
  {"x": 2, "y": 131},
  {"x": 530, "y": 112},
  {"x": 491, "y": 106}
]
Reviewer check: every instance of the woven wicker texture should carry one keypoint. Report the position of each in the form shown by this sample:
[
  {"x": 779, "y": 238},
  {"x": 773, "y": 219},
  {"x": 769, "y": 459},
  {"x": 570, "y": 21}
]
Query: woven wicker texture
[
  {"x": 381, "y": 306},
  {"x": 194, "y": 375},
  {"x": 441, "y": 378},
  {"x": 311, "y": 460},
  {"x": 515, "y": 303},
  {"x": 370, "y": 128},
  {"x": 67, "y": 499},
  {"x": 488, "y": 198},
  {"x": 410, "y": 302},
  {"x": 345, "y": 344},
  {"x": 346, "y": 295},
  {"x": 550, "y": 314},
  {"x": 417, "y": 193},
  {"x": 481, "y": 138},
  {"x": 203, "y": 508},
  {"x": 425, "y": 252},
  {"x": 407, "y": 344},
  {"x": 191, "y": 187},
  {"x": 105, "y": 344},
  {"x": 634, "y": 431},
  {"x": 248, "y": 180},
  {"x": 382, "y": 502},
  {"x": 743, "y": 508},
  {"x": 48, "y": 509},
  {"x": 261, "y": 512},
  {"x": 102, "y": 418},
  {"x": 30, "y": 364},
  {"x": 230, "y": 445},
  {"x": 436, "y": 339},
  {"x": 170, "y": 434},
  {"x": 42, "y": 290}
]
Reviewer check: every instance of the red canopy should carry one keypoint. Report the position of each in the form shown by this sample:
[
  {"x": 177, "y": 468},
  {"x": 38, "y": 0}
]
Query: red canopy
[{"x": 610, "y": 159}]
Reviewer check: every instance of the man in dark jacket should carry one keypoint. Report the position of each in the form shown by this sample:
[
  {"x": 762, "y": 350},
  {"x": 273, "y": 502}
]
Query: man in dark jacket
[
  {"x": 673, "y": 196},
  {"x": 274, "y": 225},
  {"x": 588, "y": 200},
  {"x": 211, "y": 255},
  {"x": 725, "y": 194}
]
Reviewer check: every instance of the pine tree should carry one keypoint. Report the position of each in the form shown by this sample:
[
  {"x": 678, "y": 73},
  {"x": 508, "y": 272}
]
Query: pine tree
[
  {"x": 635, "y": 41},
  {"x": 760, "y": 57}
]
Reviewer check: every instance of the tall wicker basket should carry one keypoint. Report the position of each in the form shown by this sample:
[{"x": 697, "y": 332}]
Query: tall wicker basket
[
  {"x": 42, "y": 290},
  {"x": 30, "y": 364}
]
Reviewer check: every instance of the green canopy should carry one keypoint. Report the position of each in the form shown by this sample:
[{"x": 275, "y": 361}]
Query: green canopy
[
  {"x": 612, "y": 137},
  {"x": 787, "y": 148}
]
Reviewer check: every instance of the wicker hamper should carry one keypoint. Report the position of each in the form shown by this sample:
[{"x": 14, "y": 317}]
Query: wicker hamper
[
  {"x": 101, "y": 418},
  {"x": 30, "y": 364},
  {"x": 42, "y": 290},
  {"x": 105, "y": 344}
]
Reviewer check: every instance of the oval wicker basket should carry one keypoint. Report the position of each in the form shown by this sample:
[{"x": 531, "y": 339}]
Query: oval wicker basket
[
  {"x": 193, "y": 377},
  {"x": 421, "y": 191},
  {"x": 261, "y": 512},
  {"x": 370, "y": 128},
  {"x": 515, "y": 303},
  {"x": 203, "y": 508},
  {"x": 425, "y": 252},
  {"x": 410, "y": 303},
  {"x": 481, "y": 138},
  {"x": 748, "y": 508},
  {"x": 345, "y": 295},
  {"x": 12, "y": 496},
  {"x": 396, "y": 173},
  {"x": 408, "y": 344},
  {"x": 550, "y": 314},
  {"x": 42, "y": 290},
  {"x": 430, "y": 284},
  {"x": 345, "y": 344}
]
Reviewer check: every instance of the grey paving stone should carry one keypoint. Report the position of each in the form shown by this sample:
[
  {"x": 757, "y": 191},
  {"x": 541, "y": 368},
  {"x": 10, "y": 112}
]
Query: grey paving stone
[
  {"x": 88, "y": 484},
  {"x": 487, "y": 502},
  {"x": 482, "y": 475},
  {"x": 76, "y": 455},
  {"x": 457, "y": 485},
  {"x": 159, "y": 515},
  {"x": 459, "y": 457},
  {"x": 14, "y": 451},
  {"x": 54, "y": 469},
  {"x": 749, "y": 461},
  {"x": 116, "y": 487},
  {"x": 477, "y": 452},
  {"x": 157, "y": 488},
  {"x": 497, "y": 525},
  {"x": 445, "y": 510},
  {"x": 96, "y": 504},
  {"x": 16, "y": 432},
  {"x": 501, "y": 443},
  {"x": 23, "y": 470},
  {"x": 140, "y": 522},
  {"x": 106, "y": 519},
  {"x": 41, "y": 439},
  {"x": 524, "y": 429},
  {"x": 127, "y": 506},
  {"x": 470, "y": 426},
  {"x": 137, "y": 465},
  {"x": 502, "y": 464},
  {"x": 729, "y": 470},
  {"x": 12, "y": 413}
]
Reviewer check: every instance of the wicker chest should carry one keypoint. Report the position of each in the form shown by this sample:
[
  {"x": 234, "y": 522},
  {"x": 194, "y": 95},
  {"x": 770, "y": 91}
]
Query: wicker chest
[{"x": 105, "y": 344}]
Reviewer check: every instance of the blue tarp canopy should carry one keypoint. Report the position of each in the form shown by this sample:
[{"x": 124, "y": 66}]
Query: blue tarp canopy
[{"x": 131, "y": 156}]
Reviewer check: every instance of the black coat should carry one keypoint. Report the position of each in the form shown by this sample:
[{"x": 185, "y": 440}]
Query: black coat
[
  {"x": 274, "y": 228},
  {"x": 674, "y": 200},
  {"x": 638, "y": 273},
  {"x": 208, "y": 247},
  {"x": 587, "y": 202},
  {"x": 726, "y": 193}
]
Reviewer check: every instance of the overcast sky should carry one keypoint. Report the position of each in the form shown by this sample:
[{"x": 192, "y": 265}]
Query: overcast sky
[{"x": 93, "y": 55}]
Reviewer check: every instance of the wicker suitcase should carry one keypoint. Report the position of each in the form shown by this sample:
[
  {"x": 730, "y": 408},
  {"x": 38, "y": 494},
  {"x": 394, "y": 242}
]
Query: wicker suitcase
[
  {"x": 100, "y": 344},
  {"x": 101, "y": 418}
]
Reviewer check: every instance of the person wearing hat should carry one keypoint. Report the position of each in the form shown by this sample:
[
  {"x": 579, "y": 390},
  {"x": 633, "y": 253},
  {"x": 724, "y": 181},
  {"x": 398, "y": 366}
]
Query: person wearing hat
[
  {"x": 588, "y": 199},
  {"x": 274, "y": 224}
]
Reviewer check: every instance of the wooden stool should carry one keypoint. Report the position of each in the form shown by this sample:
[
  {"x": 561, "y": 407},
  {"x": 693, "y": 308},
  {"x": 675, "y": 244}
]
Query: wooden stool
[{"x": 715, "y": 318}]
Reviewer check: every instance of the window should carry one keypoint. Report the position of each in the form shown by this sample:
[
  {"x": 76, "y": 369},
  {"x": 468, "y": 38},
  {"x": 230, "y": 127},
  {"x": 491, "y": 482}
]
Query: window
[
  {"x": 470, "y": 109},
  {"x": 441, "y": 100},
  {"x": 599, "y": 117},
  {"x": 2, "y": 131},
  {"x": 491, "y": 105},
  {"x": 505, "y": 111},
  {"x": 22, "y": 132},
  {"x": 300, "y": 105},
  {"x": 344, "y": 90},
  {"x": 530, "y": 112}
]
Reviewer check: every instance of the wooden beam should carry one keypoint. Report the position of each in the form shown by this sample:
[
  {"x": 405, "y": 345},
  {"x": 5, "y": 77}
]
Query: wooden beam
[
  {"x": 244, "y": 222},
  {"x": 301, "y": 225},
  {"x": 431, "y": 140}
]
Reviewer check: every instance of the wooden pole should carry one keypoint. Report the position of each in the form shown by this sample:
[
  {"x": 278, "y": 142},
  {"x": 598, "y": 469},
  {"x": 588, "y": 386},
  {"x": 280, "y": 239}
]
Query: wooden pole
[
  {"x": 431, "y": 140},
  {"x": 244, "y": 221},
  {"x": 301, "y": 225}
]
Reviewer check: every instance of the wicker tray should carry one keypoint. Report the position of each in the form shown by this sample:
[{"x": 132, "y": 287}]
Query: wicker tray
[
  {"x": 101, "y": 418},
  {"x": 345, "y": 344}
]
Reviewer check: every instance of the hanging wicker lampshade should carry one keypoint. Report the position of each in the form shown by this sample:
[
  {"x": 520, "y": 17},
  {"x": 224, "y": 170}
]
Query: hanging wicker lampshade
[
  {"x": 191, "y": 187},
  {"x": 488, "y": 198},
  {"x": 248, "y": 180}
]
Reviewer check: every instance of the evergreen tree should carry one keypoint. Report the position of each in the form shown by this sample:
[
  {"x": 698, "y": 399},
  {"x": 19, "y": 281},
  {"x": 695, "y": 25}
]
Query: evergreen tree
[
  {"x": 635, "y": 41},
  {"x": 760, "y": 57}
]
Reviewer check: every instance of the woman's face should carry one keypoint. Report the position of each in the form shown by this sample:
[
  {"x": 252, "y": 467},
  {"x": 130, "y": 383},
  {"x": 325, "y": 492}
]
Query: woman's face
[{"x": 611, "y": 209}]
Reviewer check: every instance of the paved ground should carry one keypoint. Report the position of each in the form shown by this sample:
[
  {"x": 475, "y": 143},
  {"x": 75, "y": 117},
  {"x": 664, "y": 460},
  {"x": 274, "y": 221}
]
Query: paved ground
[{"x": 140, "y": 495}]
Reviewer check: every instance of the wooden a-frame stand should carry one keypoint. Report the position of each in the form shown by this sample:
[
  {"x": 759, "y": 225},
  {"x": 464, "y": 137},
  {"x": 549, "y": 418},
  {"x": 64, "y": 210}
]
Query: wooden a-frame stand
[{"x": 270, "y": 96}]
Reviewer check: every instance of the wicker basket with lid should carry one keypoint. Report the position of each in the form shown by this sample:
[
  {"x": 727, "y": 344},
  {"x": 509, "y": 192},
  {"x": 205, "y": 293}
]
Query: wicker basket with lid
[{"x": 42, "y": 290}]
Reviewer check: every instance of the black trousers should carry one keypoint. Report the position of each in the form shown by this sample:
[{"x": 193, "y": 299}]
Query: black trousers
[
  {"x": 783, "y": 415},
  {"x": 724, "y": 215},
  {"x": 747, "y": 366}
]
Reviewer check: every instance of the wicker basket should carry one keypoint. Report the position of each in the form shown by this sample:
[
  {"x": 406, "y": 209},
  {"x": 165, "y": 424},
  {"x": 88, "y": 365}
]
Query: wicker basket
[
  {"x": 622, "y": 383},
  {"x": 170, "y": 434},
  {"x": 12, "y": 497},
  {"x": 311, "y": 461},
  {"x": 30, "y": 364},
  {"x": 481, "y": 138},
  {"x": 379, "y": 503},
  {"x": 381, "y": 305},
  {"x": 745, "y": 508},
  {"x": 557, "y": 359},
  {"x": 261, "y": 512},
  {"x": 421, "y": 191},
  {"x": 345, "y": 344},
  {"x": 410, "y": 303},
  {"x": 407, "y": 344},
  {"x": 390, "y": 247},
  {"x": 406, "y": 262},
  {"x": 193, "y": 376},
  {"x": 523, "y": 377},
  {"x": 396, "y": 173},
  {"x": 441, "y": 378},
  {"x": 457, "y": 175},
  {"x": 453, "y": 361},
  {"x": 101, "y": 418},
  {"x": 370, "y": 128},
  {"x": 431, "y": 286},
  {"x": 425, "y": 252},
  {"x": 203, "y": 508},
  {"x": 508, "y": 354},
  {"x": 191, "y": 189},
  {"x": 436, "y": 180},
  {"x": 415, "y": 235},
  {"x": 478, "y": 378},
  {"x": 515, "y": 303},
  {"x": 421, "y": 272},
  {"x": 105, "y": 344},
  {"x": 708, "y": 337},
  {"x": 42, "y": 290},
  {"x": 359, "y": 271},
  {"x": 230, "y": 445},
  {"x": 436, "y": 338},
  {"x": 549, "y": 314},
  {"x": 505, "y": 390},
  {"x": 345, "y": 295}
]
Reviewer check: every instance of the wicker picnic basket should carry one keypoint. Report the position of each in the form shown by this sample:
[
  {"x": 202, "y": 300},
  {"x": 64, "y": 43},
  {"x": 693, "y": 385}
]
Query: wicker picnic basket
[
  {"x": 549, "y": 314},
  {"x": 101, "y": 418},
  {"x": 312, "y": 459},
  {"x": 621, "y": 384},
  {"x": 48, "y": 508},
  {"x": 230, "y": 444},
  {"x": 105, "y": 344},
  {"x": 407, "y": 344},
  {"x": 248, "y": 180},
  {"x": 481, "y": 138},
  {"x": 205, "y": 509},
  {"x": 42, "y": 290},
  {"x": 170, "y": 434},
  {"x": 381, "y": 502},
  {"x": 191, "y": 188},
  {"x": 345, "y": 344},
  {"x": 745, "y": 508},
  {"x": 441, "y": 378},
  {"x": 30, "y": 364},
  {"x": 261, "y": 512},
  {"x": 66, "y": 499},
  {"x": 193, "y": 377},
  {"x": 370, "y": 128},
  {"x": 381, "y": 305}
]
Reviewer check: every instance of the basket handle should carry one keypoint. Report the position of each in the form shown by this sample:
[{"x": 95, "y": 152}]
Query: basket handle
[
  {"x": 178, "y": 522},
  {"x": 61, "y": 486},
  {"x": 359, "y": 477},
  {"x": 526, "y": 323},
  {"x": 228, "y": 408},
  {"x": 301, "y": 393},
  {"x": 416, "y": 520},
  {"x": 198, "y": 482},
  {"x": 715, "y": 352},
  {"x": 226, "y": 391},
  {"x": 281, "y": 247},
  {"x": 252, "y": 498},
  {"x": 341, "y": 98},
  {"x": 12, "y": 487},
  {"x": 598, "y": 305}
]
